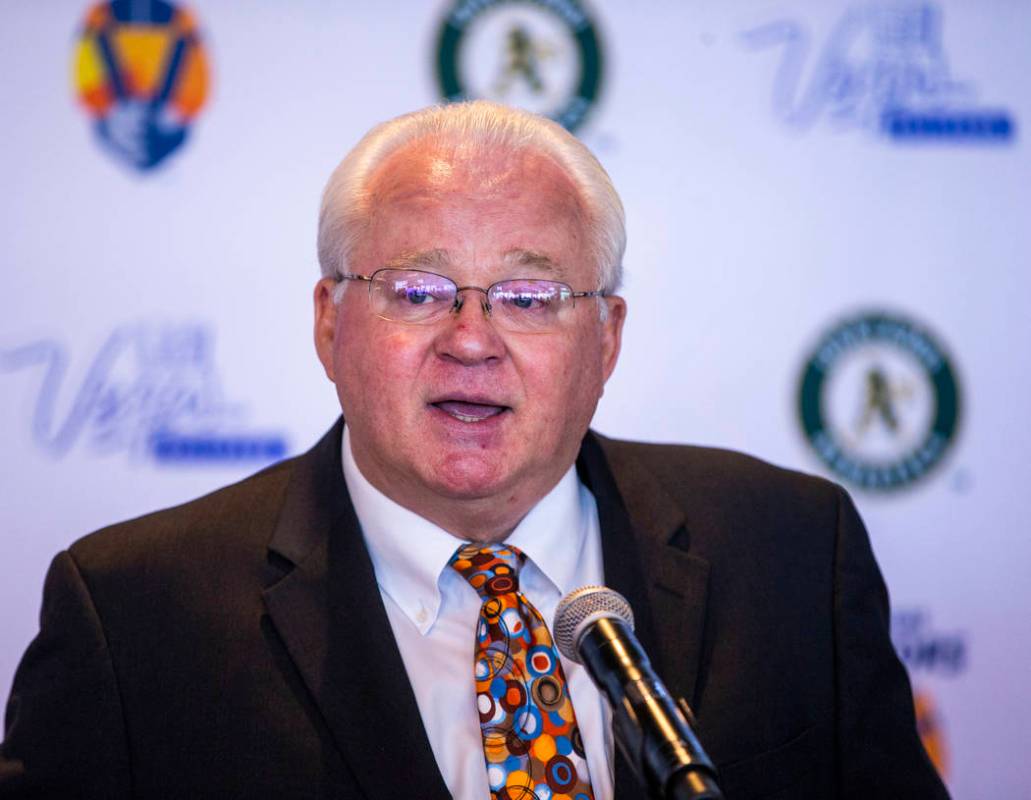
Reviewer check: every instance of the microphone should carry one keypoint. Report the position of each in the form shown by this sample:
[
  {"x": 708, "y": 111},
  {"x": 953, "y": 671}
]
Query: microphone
[{"x": 594, "y": 626}]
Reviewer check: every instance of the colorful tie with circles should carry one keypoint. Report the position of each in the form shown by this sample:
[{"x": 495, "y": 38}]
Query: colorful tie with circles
[{"x": 531, "y": 741}]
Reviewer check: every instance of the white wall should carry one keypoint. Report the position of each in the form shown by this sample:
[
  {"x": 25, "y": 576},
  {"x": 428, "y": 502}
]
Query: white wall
[{"x": 764, "y": 206}]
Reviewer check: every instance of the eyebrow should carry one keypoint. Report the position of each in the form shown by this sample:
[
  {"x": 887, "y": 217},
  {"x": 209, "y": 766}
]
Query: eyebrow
[
  {"x": 430, "y": 260},
  {"x": 531, "y": 258},
  {"x": 440, "y": 259}
]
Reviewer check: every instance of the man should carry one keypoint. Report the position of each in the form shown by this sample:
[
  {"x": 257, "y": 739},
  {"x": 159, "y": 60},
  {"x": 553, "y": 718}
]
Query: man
[{"x": 369, "y": 620}]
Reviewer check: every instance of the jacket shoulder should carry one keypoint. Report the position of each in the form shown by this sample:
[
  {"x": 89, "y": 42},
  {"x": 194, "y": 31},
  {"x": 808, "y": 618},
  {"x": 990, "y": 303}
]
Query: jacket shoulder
[
  {"x": 713, "y": 470},
  {"x": 208, "y": 530}
]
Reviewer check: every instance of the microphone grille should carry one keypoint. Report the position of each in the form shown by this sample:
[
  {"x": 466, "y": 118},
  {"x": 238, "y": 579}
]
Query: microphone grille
[{"x": 580, "y": 608}]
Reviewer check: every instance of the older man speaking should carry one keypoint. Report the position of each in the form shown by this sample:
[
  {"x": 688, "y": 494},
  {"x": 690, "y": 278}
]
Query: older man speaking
[{"x": 370, "y": 619}]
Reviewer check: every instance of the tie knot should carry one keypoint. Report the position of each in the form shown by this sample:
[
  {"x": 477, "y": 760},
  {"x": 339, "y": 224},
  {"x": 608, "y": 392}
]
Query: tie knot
[{"x": 491, "y": 569}]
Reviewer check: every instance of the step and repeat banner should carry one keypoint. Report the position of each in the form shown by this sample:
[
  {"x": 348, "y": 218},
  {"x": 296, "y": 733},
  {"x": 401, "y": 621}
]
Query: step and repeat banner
[{"x": 828, "y": 216}]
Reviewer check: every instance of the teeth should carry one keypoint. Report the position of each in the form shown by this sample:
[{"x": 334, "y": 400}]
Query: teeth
[{"x": 468, "y": 412}]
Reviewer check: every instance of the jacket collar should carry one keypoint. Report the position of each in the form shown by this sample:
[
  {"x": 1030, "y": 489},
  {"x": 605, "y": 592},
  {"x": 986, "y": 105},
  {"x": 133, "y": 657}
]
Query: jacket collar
[
  {"x": 330, "y": 615},
  {"x": 645, "y": 545}
]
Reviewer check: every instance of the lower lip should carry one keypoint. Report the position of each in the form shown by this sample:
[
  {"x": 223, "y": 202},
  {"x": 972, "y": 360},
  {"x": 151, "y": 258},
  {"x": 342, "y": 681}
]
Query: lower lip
[{"x": 476, "y": 428}]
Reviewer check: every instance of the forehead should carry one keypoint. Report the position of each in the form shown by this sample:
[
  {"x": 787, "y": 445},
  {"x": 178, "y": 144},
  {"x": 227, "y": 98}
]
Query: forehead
[
  {"x": 474, "y": 205},
  {"x": 478, "y": 170},
  {"x": 438, "y": 260}
]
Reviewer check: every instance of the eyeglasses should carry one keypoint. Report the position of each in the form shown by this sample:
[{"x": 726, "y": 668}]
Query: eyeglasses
[{"x": 522, "y": 305}]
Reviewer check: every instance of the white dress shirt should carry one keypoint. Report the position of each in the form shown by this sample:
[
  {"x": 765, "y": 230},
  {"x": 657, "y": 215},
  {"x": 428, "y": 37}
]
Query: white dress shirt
[{"x": 433, "y": 614}]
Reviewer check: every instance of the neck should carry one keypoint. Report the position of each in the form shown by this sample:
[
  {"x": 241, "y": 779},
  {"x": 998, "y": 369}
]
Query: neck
[
  {"x": 484, "y": 520},
  {"x": 483, "y": 528}
]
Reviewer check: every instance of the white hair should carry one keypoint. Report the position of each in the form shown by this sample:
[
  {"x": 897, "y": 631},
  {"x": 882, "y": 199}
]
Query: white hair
[{"x": 488, "y": 126}]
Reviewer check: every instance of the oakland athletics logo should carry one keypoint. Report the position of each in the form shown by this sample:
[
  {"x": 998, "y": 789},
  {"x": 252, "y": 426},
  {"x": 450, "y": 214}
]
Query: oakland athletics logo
[
  {"x": 879, "y": 401},
  {"x": 541, "y": 55}
]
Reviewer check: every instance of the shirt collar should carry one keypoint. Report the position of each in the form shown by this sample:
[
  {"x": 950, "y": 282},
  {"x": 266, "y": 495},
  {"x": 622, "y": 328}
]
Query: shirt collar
[
  {"x": 409, "y": 553},
  {"x": 553, "y": 534}
]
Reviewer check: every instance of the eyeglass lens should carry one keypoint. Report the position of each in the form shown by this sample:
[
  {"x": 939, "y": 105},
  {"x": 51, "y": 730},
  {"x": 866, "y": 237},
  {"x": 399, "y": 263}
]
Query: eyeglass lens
[{"x": 416, "y": 297}]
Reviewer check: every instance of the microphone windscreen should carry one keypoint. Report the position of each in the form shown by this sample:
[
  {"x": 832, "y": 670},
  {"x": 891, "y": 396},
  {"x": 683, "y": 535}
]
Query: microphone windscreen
[{"x": 582, "y": 607}]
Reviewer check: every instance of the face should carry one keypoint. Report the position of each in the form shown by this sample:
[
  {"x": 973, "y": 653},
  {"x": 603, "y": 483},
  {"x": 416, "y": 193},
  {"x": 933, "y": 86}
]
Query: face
[{"x": 461, "y": 422}]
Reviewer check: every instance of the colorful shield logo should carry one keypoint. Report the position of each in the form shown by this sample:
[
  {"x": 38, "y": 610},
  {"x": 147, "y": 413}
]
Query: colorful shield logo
[{"x": 141, "y": 71}]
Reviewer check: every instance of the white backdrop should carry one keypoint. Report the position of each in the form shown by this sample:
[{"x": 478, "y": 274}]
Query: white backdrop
[{"x": 155, "y": 323}]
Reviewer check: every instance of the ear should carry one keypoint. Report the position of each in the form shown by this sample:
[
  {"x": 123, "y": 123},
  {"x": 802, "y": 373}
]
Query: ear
[
  {"x": 612, "y": 333},
  {"x": 325, "y": 324}
]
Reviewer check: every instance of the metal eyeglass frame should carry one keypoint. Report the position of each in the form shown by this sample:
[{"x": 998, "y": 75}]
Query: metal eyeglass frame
[{"x": 459, "y": 302}]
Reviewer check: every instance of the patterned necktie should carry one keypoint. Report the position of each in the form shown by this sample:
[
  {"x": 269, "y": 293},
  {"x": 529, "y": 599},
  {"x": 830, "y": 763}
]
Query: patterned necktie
[{"x": 531, "y": 741}]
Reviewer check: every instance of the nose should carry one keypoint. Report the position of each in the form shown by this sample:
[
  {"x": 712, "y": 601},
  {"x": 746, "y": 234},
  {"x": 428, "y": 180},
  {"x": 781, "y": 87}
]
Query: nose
[
  {"x": 467, "y": 335},
  {"x": 460, "y": 298}
]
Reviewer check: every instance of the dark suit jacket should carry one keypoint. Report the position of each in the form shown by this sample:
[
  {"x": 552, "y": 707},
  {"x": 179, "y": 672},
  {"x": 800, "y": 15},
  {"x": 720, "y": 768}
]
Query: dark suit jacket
[{"x": 237, "y": 646}]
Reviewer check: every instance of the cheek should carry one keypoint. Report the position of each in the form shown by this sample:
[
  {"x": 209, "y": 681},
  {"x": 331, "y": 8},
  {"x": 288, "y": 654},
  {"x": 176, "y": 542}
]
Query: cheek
[
  {"x": 565, "y": 381},
  {"x": 380, "y": 363}
]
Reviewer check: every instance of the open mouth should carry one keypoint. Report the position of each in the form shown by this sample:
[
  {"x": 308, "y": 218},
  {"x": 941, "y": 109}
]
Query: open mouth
[{"x": 465, "y": 411}]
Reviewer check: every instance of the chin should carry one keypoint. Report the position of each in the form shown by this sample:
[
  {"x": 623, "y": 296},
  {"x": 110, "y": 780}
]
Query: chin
[{"x": 468, "y": 476}]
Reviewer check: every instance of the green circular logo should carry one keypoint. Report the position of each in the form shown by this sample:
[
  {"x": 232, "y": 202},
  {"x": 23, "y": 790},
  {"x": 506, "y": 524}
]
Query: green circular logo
[
  {"x": 879, "y": 401},
  {"x": 541, "y": 55}
]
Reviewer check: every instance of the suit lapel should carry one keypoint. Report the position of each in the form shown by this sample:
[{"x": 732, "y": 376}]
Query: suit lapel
[
  {"x": 645, "y": 548},
  {"x": 329, "y": 613}
]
